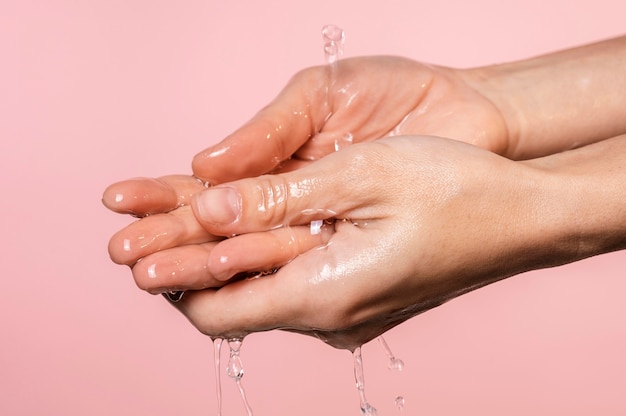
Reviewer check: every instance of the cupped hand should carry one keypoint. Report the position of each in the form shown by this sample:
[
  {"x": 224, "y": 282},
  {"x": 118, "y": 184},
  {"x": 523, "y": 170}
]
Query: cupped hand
[
  {"x": 167, "y": 247},
  {"x": 417, "y": 221},
  {"x": 323, "y": 109}
]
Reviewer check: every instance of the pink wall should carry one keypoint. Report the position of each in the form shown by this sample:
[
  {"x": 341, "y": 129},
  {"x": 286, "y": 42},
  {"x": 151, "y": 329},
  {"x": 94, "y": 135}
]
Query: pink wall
[{"x": 92, "y": 92}]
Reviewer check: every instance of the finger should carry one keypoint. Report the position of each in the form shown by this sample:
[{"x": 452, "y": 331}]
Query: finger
[
  {"x": 329, "y": 187},
  {"x": 249, "y": 305},
  {"x": 259, "y": 252},
  {"x": 178, "y": 268},
  {"x": 145, "y": 196},
  {"x": 157, "y": 232},
  {"x": 271, "y": 136},
  {"x": 186, "y": 267},
  {"x": 312, "y": 291}
]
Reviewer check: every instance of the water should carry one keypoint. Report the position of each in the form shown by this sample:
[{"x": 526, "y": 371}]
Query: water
[
  {"x": 399, "y": 403},
  {"x": 366, "y": 408},
  {"x": 316, "y": 227},
  {"x": 334, "y": 38},
  {"x": 395, "y": 364},
  {"x": 343, "y": 142},
  {"x": 217, "y": 351},
  {"x": 234, "y": 369}
]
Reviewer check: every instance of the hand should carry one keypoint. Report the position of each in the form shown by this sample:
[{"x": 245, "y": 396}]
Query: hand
[
  {"x": 419, "y": 220},
  {"x": 368, "y": 98},
  {"x": 521, "y": 110},
  {"x": 307, "y": 122},
  {"x": 167, "y": 248},
  {"x": 365, "y": 99}
]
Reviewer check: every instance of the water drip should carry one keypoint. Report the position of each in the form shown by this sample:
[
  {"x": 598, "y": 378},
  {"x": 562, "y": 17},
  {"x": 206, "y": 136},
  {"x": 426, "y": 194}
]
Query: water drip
[
  {"x": 333, "y": 37},
  {"x": 366, "y": 408},
  {"x": 234, "y": 369},
  {"x": 217, "y": 350},
  {"x": 395, "y": 364}
]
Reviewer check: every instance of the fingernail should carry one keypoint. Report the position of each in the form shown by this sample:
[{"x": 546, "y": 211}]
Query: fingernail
[{"x": 219, "y": 205}]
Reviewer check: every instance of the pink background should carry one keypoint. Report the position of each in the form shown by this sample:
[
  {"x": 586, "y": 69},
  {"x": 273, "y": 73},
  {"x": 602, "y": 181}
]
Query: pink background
[{"x": 92, "y": 92}]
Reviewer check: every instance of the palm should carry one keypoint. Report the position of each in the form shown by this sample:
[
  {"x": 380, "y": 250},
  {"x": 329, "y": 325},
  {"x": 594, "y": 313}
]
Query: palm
[{"x": 322, "y": 110}]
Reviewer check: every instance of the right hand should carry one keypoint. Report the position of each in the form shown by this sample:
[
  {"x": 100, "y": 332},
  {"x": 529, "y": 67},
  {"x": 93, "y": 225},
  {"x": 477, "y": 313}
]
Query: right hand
[
  {"x": 419, "y": 220},
  {"x": 362, "y": 99}
]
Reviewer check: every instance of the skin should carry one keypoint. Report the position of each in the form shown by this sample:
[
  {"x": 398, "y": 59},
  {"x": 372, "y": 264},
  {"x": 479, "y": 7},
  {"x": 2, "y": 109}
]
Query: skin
[{"x": 417, "y": 220}]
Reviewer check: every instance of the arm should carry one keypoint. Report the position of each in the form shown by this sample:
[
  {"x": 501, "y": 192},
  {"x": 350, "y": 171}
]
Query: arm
[
  {"x": 591, "y": 191},
  {"x": 558, "y": 101},
  {"x": 524, "y": 109}
]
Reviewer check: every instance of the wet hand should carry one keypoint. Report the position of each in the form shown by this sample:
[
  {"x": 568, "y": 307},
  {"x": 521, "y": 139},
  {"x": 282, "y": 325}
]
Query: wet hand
[
  {"x": 167, "y": 247},
  {"x": 365, "y": 99},
  {"x": 417, "y": 221}
]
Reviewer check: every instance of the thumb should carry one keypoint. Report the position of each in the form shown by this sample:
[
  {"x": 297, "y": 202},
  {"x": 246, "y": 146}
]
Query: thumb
[
  {"x": 316, "y": 192},
  {"x": 272, "y": 136}
]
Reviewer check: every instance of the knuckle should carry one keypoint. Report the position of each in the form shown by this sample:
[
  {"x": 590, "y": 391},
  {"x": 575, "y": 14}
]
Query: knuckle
[{"x": 272, "y": 196}]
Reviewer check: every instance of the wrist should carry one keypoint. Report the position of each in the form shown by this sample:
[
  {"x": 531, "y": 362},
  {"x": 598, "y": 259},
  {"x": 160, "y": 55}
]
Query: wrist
[
  {"x": 585, "y": 197},
  {"x": 560, "y": 100}
]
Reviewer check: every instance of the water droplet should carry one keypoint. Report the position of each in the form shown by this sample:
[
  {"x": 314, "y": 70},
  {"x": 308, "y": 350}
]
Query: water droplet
[
  {"x": 399, "y": 403},
  {"x": 369, "y": 410},
  {"x": 235, "y": 366},
  {"x": 396, "y": 364},
  {"x": 316, "y": 227},
  {"x": 152, "y": 271},
  {"x": 343, "y": 142},
  {"x": 234, "y": 369},
  {"x": 333, "y": 37}
]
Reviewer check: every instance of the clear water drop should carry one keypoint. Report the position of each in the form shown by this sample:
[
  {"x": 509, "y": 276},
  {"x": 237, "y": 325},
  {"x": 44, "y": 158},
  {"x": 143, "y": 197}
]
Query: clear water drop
[
  {"x": 399, "y": 401},
  {"x": 395, "y": 364},
  {"x": 235, "y": 366},
  {"x": 234, "y": 369},
  {"x": 344, "y": 141},
  {"x": 334, "y": 38},
  {"x": 316, "y": 227}
]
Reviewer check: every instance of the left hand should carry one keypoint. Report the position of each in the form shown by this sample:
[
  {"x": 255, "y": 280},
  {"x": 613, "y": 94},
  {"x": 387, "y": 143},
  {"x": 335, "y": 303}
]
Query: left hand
[{"x": 419, "y": 220}]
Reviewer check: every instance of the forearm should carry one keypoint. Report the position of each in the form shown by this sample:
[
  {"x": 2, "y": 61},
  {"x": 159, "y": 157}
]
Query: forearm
[
  {"x": 588, "y": 195},
  {"x": 561, "y": 100}
]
